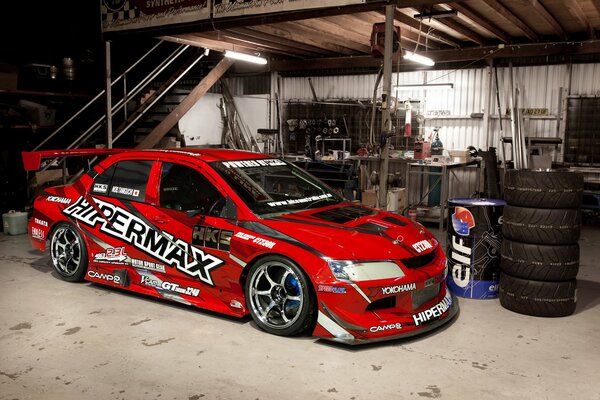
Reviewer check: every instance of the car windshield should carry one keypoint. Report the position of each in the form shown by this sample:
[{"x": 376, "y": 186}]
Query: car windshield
[{"x": 275, "y": 186}]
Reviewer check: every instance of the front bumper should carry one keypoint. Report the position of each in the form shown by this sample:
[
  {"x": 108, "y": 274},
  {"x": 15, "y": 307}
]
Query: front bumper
[{"x": 403, "y": 326}]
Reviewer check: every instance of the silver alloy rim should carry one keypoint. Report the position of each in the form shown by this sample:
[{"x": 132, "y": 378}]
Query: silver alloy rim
[
  {"x": 66, "y": 251},
  {"x": 275, "y": 295}
]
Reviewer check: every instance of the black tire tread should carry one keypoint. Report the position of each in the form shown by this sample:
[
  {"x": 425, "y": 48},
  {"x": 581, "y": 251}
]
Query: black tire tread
[
  {"x": 537, "y": 298},
  {"x": 541, "y": 226},
  {"x": 543, "y": 189},
  {"x": 539, "y": 262}
]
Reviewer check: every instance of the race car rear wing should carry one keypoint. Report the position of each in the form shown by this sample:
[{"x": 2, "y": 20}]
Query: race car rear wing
[{"x": 32, "y": 159}]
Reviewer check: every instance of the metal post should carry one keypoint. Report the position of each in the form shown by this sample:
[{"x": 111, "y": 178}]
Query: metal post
[
  {"x": 108, "y": 91},
  {"x": 386, "y": 118}
]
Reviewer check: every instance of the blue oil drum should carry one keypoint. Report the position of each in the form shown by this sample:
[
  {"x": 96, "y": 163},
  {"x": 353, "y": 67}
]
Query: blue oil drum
[{"x": 473, "y": 246}]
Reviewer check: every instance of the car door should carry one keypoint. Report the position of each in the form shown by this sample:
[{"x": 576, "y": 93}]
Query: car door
[{"x": 189, "y": 209}]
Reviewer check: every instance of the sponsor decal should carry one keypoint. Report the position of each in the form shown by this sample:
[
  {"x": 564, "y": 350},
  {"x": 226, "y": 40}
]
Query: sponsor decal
[
  {"x": 213, "y": 238},
  {"x": 170, "y": 286},
  {"x": 58, "y": 199},
  {"x": 299, "y": 201},
  {"x": 331, "y": 289},
  {"x": 149, "y": 265},
  {"x": 100, "y": 188},
  {"x": 462, "y": 221},
  {"x": 112, "y": 255},
  {"x": 460, "y": 254},
  {"x": 106, "y": 277},
  {"x": 40, "y": 222},
  {"x": 407, "y": 287},
  {"x": 435, "y": 311},
  {"x": 119, "y": 223},
  {"x": 381, "y": 328},
  {"x": 37, "y": 233},
  {"x": 253, "y": 163},
  {"x": 125, "y": 191},
  {"x": 422, "y": 246},
  {"x": 269, "y": 244}
]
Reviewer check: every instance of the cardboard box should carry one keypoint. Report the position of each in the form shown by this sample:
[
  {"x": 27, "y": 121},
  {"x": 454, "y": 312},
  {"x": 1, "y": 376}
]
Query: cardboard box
[
  {"x": 369, "y": 197},
  {"x": 39, "y": 114},
  {"x": 9, "y": 76},
  {"x": 396, "y": 200}
]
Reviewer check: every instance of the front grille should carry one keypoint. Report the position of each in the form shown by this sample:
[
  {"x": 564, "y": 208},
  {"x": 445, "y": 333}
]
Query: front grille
[
  {"x": 419, "y": 261},
  {"x": 388, "y": 302},
  {"x": 422, "y": 296}
]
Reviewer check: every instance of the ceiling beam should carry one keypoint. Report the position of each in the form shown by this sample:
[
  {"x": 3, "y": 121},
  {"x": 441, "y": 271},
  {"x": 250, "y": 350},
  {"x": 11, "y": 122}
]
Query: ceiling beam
[
  {"x": 264, "y": 38},
  {"x": 408, "y": 35},
  {"x": 576, "y": 11},
  {"x": 261, "y": 46},
  {"x": 445, "y": 56},
  {"x": 512, "y": 18},
  {"x": 337, "y": 34},
  {"x": 543, "y": 11},
  {"x": 424, "y": 28},
  {"x": 456, "y": 26},
  {"x": 481, "y": 21},
  {"x": 298, "y": 33},
  {"x": 596, "y": 4},
  {"x": 200, "y": 41}
]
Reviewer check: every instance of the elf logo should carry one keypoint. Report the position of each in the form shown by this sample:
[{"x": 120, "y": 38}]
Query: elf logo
[{"x": 460, "y": 254}]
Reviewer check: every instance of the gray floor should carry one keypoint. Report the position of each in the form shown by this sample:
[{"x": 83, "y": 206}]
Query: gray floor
[{"x": 60, "y": 340}]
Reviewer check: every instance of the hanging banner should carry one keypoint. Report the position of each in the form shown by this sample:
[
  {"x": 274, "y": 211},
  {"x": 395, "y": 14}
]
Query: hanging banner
[
  {"x": 230, "y": 8},
  {"x": 121, "y": 15}
]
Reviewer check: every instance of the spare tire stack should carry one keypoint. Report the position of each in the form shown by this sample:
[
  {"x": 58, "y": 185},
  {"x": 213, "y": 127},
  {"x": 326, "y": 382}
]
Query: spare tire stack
[{"x": 540, "y": 255}]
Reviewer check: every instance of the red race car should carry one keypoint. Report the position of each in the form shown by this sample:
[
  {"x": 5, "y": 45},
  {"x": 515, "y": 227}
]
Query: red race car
[{"x": 243, "y": 233}]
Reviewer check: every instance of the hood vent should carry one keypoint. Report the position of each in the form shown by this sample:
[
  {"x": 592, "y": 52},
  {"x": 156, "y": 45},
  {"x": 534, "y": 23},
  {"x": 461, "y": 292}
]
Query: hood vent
[
  {"x": 343, "y": 215},
  {"x": 373, "y": 227},
  {"x": 394, "y": 220},
  {"x": 419, "y": 261}
]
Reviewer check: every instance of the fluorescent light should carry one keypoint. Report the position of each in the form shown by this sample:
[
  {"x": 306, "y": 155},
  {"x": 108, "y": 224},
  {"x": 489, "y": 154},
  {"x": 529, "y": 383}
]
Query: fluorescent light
[
  {"x": 409, "y": 55},
  {"x": 245, "y": 57},
  {"x": 435, "y": 86}
]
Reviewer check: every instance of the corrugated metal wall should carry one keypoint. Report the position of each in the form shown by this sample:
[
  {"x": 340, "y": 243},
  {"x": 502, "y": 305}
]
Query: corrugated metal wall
[{"x": 473, "y": 90}]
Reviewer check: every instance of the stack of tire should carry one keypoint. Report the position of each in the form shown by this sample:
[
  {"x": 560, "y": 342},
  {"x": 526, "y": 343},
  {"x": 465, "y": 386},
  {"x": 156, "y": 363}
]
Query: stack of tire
[{"x": 540, "y": 254}]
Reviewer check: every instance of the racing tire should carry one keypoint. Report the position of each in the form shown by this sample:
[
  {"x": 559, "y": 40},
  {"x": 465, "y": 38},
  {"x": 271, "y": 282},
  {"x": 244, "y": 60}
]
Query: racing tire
[
  {"x": 541, "y": 226},
  {"x": 68, "y": 252},
  {"x": 543, "y": 189},
  {"x": 280, "y": 296},
  {"x": 539, "y": 262},
  {"x": 537, "y": 298}
]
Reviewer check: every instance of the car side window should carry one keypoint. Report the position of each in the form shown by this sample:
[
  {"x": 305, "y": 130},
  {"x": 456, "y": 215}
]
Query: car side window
[
  {"x": 185, "y": 189},
  {"x": 124, "y": 180}
]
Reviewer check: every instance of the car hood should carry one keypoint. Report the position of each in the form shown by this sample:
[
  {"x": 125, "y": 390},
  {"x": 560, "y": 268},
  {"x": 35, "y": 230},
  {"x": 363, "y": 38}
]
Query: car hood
[{"x": 355, "y": 232}]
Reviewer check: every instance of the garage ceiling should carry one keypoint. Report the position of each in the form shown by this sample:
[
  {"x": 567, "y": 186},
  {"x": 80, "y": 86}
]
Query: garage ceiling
[{"x": 448, "y": 32}]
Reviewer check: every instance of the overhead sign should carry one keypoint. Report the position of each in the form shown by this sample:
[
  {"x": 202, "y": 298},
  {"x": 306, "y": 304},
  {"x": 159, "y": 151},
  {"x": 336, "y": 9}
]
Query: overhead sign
[
  {"x": 229, "y": 8},
  {"x": 121, "y": 15}
]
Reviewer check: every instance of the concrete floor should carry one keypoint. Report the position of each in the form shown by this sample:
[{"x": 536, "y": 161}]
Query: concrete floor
[{"x": 61, "y": 340}]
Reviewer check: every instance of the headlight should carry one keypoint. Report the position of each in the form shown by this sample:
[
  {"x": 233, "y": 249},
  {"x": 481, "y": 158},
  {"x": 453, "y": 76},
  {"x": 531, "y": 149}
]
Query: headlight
[{"x": 364, "y": 271}]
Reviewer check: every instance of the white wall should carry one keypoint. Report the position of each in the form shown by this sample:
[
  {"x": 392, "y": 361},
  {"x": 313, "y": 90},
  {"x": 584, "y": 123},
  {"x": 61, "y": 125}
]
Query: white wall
[{"x": 202, "y": 125}]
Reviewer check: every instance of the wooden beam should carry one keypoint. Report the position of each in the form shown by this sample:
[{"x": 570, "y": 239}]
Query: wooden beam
[
  {"x": 443, "y": 56},
  {"x": 337, "y": 34},
  {"x": 166, "y": 124},
  {"x": 596, "y": 4},
  {"x": 268, "y": 38},
  {"x": 261, "y": 45},
  {"x": 481, "y": 21},
  {"x": 425, "y": 29},
  {"x": 456, "y": 26},
  {"x": 408, "y": 35},
  {"x": 200, "y": 41},
  {"x": 512, "y": 18},
  {"x": 541, "y": 9},
  {"x": 576, "y": 11},
  {"x": 298, "y": 33}
]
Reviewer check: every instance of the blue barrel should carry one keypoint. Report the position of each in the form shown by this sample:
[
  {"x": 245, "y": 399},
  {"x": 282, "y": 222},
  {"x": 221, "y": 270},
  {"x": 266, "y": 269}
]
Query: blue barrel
[{"x": 473, "y": 246}]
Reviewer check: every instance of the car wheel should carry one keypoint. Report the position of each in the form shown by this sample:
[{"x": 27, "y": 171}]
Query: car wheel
[
  {"x": 69, "y": 253},
  {"x": 279, "y": 296}
]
